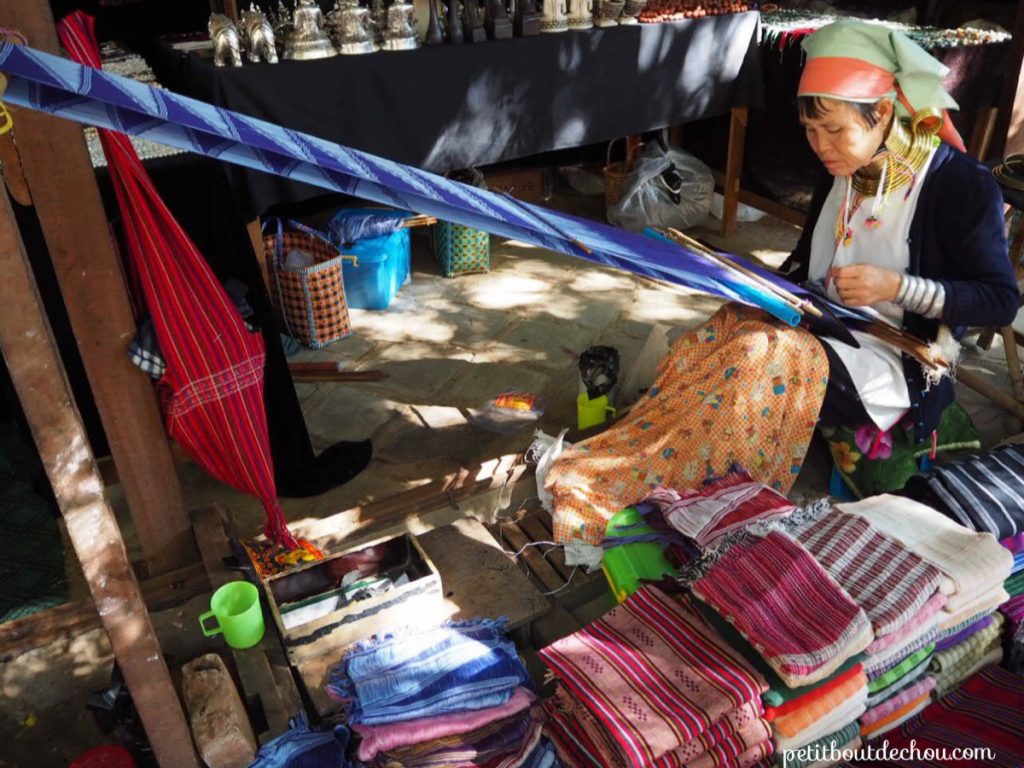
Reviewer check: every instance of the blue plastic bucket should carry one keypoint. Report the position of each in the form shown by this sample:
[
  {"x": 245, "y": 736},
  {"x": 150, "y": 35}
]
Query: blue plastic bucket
[{"x": 383, "y": 264}]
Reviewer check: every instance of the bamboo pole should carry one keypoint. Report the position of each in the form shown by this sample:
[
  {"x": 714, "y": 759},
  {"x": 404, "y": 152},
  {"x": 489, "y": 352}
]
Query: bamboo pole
[{"x": 798, "y": 304}]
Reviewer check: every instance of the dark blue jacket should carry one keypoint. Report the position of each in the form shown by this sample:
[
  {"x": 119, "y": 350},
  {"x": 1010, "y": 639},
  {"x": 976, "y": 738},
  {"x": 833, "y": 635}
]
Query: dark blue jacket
[{"x": 958, "y": 237}]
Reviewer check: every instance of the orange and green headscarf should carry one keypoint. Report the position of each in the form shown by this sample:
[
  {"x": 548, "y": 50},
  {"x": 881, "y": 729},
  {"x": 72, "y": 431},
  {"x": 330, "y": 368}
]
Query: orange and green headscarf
[{"x": 858, "y": 61}]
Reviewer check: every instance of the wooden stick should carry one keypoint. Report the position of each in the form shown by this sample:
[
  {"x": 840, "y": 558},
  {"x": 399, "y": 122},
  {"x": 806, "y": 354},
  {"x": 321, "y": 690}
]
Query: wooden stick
[
  {"x": 418, "y": 221},
  {"x": 315, "y": 366},
  {"x": 340, "y": 376},
  {"x": 801, "y": 305}
]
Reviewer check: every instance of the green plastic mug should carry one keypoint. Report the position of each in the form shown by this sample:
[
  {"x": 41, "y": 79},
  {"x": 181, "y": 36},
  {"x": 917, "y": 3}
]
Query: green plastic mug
[
  {"x": 239, "y": 615},
  {"x": 591, "y": 412}
]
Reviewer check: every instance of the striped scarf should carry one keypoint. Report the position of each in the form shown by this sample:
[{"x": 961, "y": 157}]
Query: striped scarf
[
  {"x": 739, "y": 738},
  {"x": 882, "y": 576},
  {"x": 984, "y": 492},
  {"x": 788, "y": 607},
  {"x": 654, "y": 674}
]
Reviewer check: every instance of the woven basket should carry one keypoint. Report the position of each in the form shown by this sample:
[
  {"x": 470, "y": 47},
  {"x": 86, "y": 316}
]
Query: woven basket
[
  {"x": 309, "y": 300},
  {"x": 614, "y": 177},
  {"x": 461, "y": 250}
]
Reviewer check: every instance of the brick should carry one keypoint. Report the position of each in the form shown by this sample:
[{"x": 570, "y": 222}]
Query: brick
[{"x": 220, "y": 724}]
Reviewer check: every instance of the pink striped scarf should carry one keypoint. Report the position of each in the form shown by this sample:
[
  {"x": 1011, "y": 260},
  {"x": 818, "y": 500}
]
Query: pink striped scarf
[
  {"x": 740, "y": 738},
  {"x": 654, "y": 674},
  {"x": 788, "y": 607},
  {"x": 925, "y": 616},
  {"x": 883, "y": 577}
]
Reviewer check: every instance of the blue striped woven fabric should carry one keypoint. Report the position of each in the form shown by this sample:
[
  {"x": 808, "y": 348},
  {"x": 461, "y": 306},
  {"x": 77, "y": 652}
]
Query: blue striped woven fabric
[
  {"x": 428, "y": 672},
  {"x": 41, "y": 81}
]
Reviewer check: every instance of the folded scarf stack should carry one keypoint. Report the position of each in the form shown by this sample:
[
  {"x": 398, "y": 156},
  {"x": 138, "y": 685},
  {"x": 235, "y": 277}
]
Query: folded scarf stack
[
  {"x": 983, "y": 713},
  {"x": 456, "y": 696},
  {"x": 1013, "y": 609},
  {"x": 973, "y": 564},
  {"x": 817, "y": 716},
  {"x": 788, "y": 607},
  {"x": 653, "y": 684},
  {"x": 958, "y": 662},
  {"x": 805, "y": 627}
]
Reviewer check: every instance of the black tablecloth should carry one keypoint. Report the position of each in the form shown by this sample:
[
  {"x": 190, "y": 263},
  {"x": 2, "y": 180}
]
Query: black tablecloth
[{"x": 469, "y": 105}]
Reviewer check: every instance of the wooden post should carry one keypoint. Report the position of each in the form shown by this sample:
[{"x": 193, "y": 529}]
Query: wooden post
[
  {"x": 63, "y": 187},
  {"x": 733, "y": 168},
  {"x": 28, "y": 346},
  {"x": 1009, "y": 131}
]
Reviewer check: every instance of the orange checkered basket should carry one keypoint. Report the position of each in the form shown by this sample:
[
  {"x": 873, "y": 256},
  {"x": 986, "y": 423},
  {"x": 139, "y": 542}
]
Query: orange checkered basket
[{"x": 310, "y": 300}]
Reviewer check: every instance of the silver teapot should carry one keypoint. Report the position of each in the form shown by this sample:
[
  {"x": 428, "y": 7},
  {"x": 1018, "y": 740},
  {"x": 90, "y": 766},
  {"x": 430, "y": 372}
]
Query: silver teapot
[
  {"x": 258, "y": 35},
  {"x": 306, "y": 39},
  {"x": 351, "y": 27},
  {"x": 400, "y": 34}
]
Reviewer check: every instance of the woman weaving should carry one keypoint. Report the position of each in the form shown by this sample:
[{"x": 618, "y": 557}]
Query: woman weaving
[{"x": 907, "y": 227}]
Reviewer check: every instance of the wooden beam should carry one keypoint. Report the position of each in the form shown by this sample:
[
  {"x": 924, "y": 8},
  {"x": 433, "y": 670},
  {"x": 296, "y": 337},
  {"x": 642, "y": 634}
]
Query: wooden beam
[
  {"x": 996, "y": 394},
  {"x": 41, "y": 383},
  {"x": 377, "y": 517},
  {"x": 164, "y": 591},
  {"x": 63, "y": 187},
  {"x": 981, "y": 136},
  {"x": 1009, "y": 130},
  {"x": 738, "y": 117}
]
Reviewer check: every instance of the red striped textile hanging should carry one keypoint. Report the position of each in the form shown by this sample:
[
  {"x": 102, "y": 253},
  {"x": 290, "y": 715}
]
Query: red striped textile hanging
[{"x": 212, "y": 393}]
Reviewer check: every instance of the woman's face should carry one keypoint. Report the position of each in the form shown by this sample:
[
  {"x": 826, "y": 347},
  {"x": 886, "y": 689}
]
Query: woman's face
[{"x": 842, "y": 138}]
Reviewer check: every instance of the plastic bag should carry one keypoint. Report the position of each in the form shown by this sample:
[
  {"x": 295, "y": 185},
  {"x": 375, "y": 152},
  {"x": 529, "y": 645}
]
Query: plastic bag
[
  {"x": 508, "y": 412},
  {"x": 667, "y": 188},
  {"x": 544, "y": 450},
  {"x": 599, "y": 370}
]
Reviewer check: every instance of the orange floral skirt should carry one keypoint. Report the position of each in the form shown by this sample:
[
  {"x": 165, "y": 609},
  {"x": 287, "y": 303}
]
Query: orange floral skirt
[{"x": 742, "y": 389}]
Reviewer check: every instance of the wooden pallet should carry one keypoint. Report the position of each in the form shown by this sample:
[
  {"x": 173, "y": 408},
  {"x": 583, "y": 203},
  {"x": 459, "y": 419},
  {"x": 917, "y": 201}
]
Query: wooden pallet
[{"x": 545, "y": 565}]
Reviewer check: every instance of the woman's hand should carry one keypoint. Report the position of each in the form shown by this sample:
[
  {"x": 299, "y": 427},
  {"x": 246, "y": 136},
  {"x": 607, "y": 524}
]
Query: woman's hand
[{"x": 860, "y": 285}]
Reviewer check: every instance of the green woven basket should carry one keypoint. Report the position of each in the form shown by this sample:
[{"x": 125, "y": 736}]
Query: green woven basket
[{"x": 461, "y": 250}]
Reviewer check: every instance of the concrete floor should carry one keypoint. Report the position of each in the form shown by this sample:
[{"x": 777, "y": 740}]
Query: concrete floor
[{"x": 448, "y": 346}]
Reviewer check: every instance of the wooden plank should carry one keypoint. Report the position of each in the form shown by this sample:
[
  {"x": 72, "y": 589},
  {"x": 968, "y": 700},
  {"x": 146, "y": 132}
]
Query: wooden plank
[
  {"x": 738, "y": 117},
  {"x": 375, "y": 519},
  {"x": 255, "y": 230},
  {"x": 532, "y": 526},
  {"x": 259, "y": 683},
  {"x": 170, "y": 589},
  {"x": 981, "y": 136},
  {"x": 63, "y": 187},
  {"x": 41, "y": 383},
  {"x": 516, "y": 541}
]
